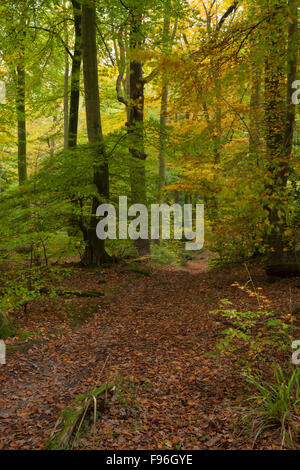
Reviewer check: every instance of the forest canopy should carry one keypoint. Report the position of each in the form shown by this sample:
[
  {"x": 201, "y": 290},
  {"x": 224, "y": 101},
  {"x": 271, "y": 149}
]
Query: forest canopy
[{"x": 163, "y": 101}]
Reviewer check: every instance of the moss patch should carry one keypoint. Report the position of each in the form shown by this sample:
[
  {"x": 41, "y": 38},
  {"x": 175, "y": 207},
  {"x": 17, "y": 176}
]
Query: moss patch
[{"x": 72, "y": 417}]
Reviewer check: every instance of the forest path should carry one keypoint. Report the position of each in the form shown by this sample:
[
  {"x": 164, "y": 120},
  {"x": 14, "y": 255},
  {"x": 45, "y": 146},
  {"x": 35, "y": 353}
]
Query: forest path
[
  {"x": 199, "y": 262},
  {"x": 155, "y": 336}
]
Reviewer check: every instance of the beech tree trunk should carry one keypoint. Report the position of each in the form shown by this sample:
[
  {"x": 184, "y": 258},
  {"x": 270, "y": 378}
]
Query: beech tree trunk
[
  {"x": 75, "y": 77},
  {"x": 135, "y": 126},
  {"x": 21, "y": 98},
  {"x": 66, "y": 89},
  {"x": 21, "y": 119},
  {"x": 275, "y": 106},
  {"x": 280, "y": 120},
  {"x": 95, "y": 253},
  {"x": 163, "y": 121},
  {"x": 255, "y": 102}
]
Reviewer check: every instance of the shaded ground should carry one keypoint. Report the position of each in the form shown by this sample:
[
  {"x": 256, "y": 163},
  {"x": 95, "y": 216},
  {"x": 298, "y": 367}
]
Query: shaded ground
[{"x": 153, "y": 335}]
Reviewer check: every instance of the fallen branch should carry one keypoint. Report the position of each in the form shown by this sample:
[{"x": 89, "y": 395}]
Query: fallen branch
[
  {"x": 77, "y": 293},
  {"x": 71, "y": 418},
  {"x": 135, "y": 270}
]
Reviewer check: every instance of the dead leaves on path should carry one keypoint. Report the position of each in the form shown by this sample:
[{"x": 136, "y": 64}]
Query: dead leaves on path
[{"x": 157, "y": 333}]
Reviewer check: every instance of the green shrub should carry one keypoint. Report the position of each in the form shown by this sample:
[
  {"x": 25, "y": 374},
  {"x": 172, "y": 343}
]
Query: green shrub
[
  {"x": 6, "y": 327},
  {"x": 170, "y": 253},
  {"x": 277, "y": 404},
  {"x": 251, "y": 332}
]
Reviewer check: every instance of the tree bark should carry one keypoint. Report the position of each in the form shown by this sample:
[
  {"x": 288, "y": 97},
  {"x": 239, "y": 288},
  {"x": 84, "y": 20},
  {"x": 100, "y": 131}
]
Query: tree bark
[
  {"x": 75, "y": 77},
  {"x": 21, "y": 118},
  {"x": 66, "y": 89},
  {"x": 255, "y": 102},
  {"x": 280, "y": 120},
  {"x": 21, "y": 103},
  {"x": 136, "y": 125},
  {"x": 292, "y": 53},
  {"x": 163, "y": 120},
  {"x": 275, "y": 106},
  {"x": 95, "y": 253}
]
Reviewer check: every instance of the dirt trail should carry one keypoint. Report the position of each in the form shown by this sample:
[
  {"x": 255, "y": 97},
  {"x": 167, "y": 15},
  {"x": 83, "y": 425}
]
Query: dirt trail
[
  {"x": 199, "y": 262},
  {"x": 156, "y": 334}
]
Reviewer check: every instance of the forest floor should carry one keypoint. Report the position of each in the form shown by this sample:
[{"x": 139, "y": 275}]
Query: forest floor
[{"x": 152, "y": 333}]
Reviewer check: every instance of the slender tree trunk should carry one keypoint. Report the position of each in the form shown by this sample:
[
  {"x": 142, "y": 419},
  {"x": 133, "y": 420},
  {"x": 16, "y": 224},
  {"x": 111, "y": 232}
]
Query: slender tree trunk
[
  {"x": 218, "y": 118},
  {"x": 136, "y": 126},
  {"x": 51, "y": 140},
  {"x": 95, "y": 253},
  {"x": 75, "y": 77},
  {"x": 20, "y": 96},
  {"x": 66, "y": 90},
  {"x": 163, "y": 122},
  {"x": 255, "y": 103},
  {"x": 73, "y": 113},
  {"x": 21, "y": 118},
  {"x": 162, "y": 148}
]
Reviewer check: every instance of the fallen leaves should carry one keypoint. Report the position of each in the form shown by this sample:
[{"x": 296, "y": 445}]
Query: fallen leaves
[{"x": 156, "y": 335}]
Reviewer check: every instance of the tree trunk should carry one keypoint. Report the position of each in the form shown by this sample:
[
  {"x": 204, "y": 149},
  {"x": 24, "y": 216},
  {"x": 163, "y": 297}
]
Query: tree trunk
[
  {"x": 95, "y": 253},
  {"x": 280, "y": 119},
  {"x": 255, "y": 103},
  {"x": 297, "y": 251},
  {"x": 135, "y": 126},
  {"x": 21, "y": 116},
  {"x": 66, "y": 89},
  {"x": 51, "y": 139},
  {"x": 163, "y": 121},
  {"x": 292, "y": 53},
  {"x": 275, "y": 106},
  {"x": 75, "y": 77}
]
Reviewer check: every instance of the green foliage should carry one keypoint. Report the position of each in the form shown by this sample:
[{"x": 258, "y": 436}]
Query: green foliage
[
  {"x": 254, "y": 333},
  {"x": 6, "y": 326},
  {"x": 163, "y": 255},
  {"x": 78, "y": 315},
  {"x": 170, "y": 253},
  {"x": 18, "y": 287},
  {"x": 277, "y": 403},
  {"x": 121, "y": 249}
]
